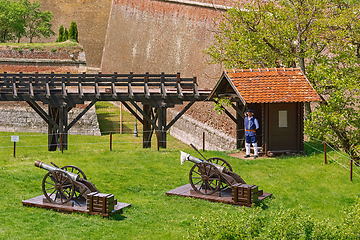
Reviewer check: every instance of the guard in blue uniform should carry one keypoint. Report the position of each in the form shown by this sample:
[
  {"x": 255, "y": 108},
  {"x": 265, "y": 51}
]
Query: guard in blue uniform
[{"x": 251, "y": 125}]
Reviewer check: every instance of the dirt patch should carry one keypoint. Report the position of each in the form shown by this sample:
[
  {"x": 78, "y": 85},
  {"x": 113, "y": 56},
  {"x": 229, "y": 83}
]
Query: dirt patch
[{"x": 241, "y": 154}]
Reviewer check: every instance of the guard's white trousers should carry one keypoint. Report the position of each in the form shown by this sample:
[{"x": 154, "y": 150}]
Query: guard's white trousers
[{"x": 247, "y": 148}]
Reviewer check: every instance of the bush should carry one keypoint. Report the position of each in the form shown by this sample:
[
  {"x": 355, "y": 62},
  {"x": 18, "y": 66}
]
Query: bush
[
  {"x": 61, "y": 34},
  {"x": 282, "y": 224},
  {"x": 71, "y": 34}
]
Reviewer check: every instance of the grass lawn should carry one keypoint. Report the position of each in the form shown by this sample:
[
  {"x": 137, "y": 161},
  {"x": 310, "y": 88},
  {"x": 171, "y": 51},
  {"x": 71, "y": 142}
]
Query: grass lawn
[
  {"x": 67, "y": 46},
  {"x": 142, "y": 177}
]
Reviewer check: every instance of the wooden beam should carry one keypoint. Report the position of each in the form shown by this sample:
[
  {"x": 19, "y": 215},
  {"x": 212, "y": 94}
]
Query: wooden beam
[
  {"x": 43, "y": 114},
  {"x": 196, "y": 91},
  {"x": 31, "y": 89},
  {"x": 237, "y": 109},
  {"x": 144, "y": 115},
  {"x": 178, "y": 86},
  {"x": 80, "y": 89},
  {"x": 227, "y": 112},
  {"x": 63, "y": 88},
  {"x": 47, "y": 88},
  {"x": 146, "y": 86},
  {"x": 80, "y": 115},
  {"x": 14, "y": 92},
  {"x": 113, "y": 89},
  {"x": 38, "y": 111},
  {"x": 162, "y": 86},
  {"x": 130, "y": 91},
  {"x": 179, "y": 115},
  {"x": 133, "y": 112},
  {"x": 97, "y": 91}
]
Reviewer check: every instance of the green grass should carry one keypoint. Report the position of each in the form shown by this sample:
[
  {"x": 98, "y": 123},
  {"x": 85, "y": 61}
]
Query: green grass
[
  {"x": 50, "y": 46},
  {"x": 141, "y": 177},
  {"x": 109, "y": 119}
]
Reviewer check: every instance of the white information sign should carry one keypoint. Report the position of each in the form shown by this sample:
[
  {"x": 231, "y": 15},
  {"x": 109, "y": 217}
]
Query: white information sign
[{"x": 15, "y": 138}]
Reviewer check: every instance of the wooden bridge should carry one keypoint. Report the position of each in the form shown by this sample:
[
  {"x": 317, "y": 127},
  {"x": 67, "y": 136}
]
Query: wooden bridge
[{"x": 61, "y": 92}]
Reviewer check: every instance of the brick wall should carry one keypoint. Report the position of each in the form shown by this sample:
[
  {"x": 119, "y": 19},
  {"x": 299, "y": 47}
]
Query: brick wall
[
  {"x": 162, "y": 36},
  {"x": 42, "y": 62},
  {"x": 91, "y": 17}
]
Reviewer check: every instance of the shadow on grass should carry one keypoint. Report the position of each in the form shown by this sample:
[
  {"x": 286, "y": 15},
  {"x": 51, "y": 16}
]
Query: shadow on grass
[
  {"x": 315, "y": 147},
  {"x": 117, "y": 217},
  {"x": 107, "y": 124}
]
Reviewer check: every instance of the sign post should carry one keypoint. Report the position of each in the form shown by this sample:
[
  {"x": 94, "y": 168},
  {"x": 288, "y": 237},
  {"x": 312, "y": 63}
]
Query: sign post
[{"x": 14, "y": 139}]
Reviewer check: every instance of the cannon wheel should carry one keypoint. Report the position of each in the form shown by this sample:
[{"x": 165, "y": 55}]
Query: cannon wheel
[
  {"x": 74, "y": 169},
  {"x": 58, "y": 187},
  {"x": 221, "y": 162},
  {"x": 205, "y": 178}
]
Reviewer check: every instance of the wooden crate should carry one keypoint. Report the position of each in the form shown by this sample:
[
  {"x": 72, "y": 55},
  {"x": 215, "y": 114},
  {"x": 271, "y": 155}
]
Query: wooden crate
[
  {"x": 244, "y": 193},
  {"x": 100, "y": 202}
]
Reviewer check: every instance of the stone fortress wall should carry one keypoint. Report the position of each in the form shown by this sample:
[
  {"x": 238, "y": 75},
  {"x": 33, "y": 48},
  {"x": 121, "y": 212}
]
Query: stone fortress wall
[
  {"x": 153, "y": 36},
  {"x": 170, "y": 36},
  {"x": 20, "y": 117}
]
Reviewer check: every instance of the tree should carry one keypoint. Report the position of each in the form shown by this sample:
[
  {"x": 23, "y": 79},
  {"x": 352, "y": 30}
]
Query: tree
[
  {"x": 66, "y": 35},
  {"x": 11, "y": 23},
  {"x": 73, "y": 31},
  {"x": 321, "y": 37},
  {"x": 37, "y": 23},
  {"x": 61, "y": 34}
]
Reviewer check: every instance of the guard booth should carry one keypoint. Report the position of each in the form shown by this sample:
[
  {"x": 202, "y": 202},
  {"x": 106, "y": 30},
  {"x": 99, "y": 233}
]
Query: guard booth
[{"x": 277, "y": 96}]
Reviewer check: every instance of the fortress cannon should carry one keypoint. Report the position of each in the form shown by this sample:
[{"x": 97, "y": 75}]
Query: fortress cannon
[
  {"x": 213, "y": 179},
  {"x": 60, "y": 185},
  {"x": 210, "y": 176}
]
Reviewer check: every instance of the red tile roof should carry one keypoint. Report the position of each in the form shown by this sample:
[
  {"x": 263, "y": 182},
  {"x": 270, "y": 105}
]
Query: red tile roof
[{"x": 273, "y": 85}]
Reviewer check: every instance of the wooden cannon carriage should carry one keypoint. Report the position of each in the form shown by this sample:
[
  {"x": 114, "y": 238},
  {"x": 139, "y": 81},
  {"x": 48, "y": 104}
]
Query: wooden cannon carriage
[
  {"x": 213, "y": 179},
  {"x": 67, "y": 189}
]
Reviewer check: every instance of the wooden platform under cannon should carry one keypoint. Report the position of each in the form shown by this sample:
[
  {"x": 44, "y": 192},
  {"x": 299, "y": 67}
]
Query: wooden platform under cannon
[
  {"x": 39, "y": 202},
  {"x": 224, "y": 197}
]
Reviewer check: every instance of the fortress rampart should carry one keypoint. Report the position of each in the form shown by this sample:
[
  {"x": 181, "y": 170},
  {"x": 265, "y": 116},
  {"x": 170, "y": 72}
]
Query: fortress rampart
[{"x": 150, "y": 36}]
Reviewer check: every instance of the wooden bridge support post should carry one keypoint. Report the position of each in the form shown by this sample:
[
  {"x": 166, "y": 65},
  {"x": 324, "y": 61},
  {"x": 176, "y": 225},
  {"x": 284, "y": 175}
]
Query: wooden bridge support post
[
  {"x": 60, "y": 117},
  {"x": 52, "y": 131},
  {"x": 147, "y": 127},
  {"x": 240, "y": 131},
  {"x": 63, "y": 124},
  {"x": 162, "y": 126}
]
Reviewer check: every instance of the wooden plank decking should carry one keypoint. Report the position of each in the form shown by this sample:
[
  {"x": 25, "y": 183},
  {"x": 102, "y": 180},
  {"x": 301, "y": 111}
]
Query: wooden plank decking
[
  {"x": 38, "y": 202},
  {"x": 187, "y": 191}
]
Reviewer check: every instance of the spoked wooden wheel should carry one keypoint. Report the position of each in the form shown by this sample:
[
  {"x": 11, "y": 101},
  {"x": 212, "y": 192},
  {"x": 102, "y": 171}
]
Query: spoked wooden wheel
[
  {"x": 221, "y": 162},
  {"x": 74, "y": 169},
  {"x": 58, "y": 187},
  {"x": 205, "y": 178}
]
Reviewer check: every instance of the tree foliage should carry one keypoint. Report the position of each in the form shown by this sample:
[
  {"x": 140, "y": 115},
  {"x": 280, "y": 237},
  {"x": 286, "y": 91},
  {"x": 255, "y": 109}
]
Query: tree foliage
[
  {"x": 10, "y": 20},
  {"x": 61, "y": 34},
  {"x": 73, "y": 31},
  {"x": 71, "y": 34},
  {"x": 322, "y": 37},
  {"x": 23, "y": 19},
  {"x": 66, "y": 35}
]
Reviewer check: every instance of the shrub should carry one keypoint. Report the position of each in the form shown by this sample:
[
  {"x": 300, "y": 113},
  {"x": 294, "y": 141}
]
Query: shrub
[
  {"x": 61, "y": 34},
  {"x": 281, "y": 224},
  {"x": 65, "y": 36},
  {"x": 73, "y": 32}
]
